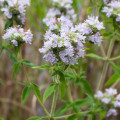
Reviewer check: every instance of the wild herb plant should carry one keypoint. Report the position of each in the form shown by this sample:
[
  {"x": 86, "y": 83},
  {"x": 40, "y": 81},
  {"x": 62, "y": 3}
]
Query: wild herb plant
[{"x": 65, "y": 46}]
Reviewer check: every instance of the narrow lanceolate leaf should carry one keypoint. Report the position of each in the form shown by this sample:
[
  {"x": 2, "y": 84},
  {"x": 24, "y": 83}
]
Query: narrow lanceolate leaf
[
  {"x": 43, "y": 67},
  {"x": 49, "y": 91},
  {"x": 37, "y": 118},
  {"x": 26, "y": 92},
  {"x": 92, "y": 55},
  {"x": 87, "y": 87},
  {"x": 78, "y": 104},
  {"x": 62, "y": 89},
  {"x": 28, "y": 63},
  {"x": 115, "y": 68},
  {"x": 112, "y": 79},
  {"x": 72, "y": 117},
  {"x": 36, "y": 91},
  {"x": 15, "y": 69}
]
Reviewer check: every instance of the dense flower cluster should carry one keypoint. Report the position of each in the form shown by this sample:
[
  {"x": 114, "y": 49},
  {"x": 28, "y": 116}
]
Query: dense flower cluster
[
  {"x": 61, "y": 8},
  {"x": 91, "y": 28},
  {"x": 66, "y": 42},
  {"x": 13, "y": 8},
  {"x": 112, "y": 9},
  {"x": 110, "y": 98},
  {"x": 18, "y": 35}
]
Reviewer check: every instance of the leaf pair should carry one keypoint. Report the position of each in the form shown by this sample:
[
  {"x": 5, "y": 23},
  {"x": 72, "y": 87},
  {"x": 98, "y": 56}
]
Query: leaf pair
[{"x": 27, "y": 90}]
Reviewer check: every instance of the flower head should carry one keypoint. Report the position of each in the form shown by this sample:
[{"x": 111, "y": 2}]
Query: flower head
[
  {"x": 18, "y": 35},
  {"x": 14, "y": 8},
  {"x": 110, "y": 100},
  {"x": 112, "y": 9}
]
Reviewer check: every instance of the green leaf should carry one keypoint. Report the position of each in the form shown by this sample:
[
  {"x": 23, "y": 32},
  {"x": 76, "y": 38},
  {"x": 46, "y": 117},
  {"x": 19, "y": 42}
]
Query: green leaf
[
  {"x": 92, "y": 55},
  {"x": 49, "y": 91},
  {"x": 43, "y": 67},
  {"x": 28, "y": 63},
  {"x": 24, "y": 83},
  {"x": 12, "y": 56},
  {"x": 1, "y": 82},
  {"x": 15, "y": 69},
  {"x": 72, "y": 117},
  {"x": 60, "y": 111},
  {"x": 82, "y": 102},
  {"x": 115, "y": 68},
  {"x": 87, "y": 88},
  {"x": 62, "y": 89},
  {"x": 8, "y": 24},
  {"x": 37, "y": 118},
  {"x": 36, "y": 91},
  {"x": 89, "y": 9},
  {"x": 78, "y": 104},
  {"x": 26, "y": 92},
  {"x": 102, "y": 115},
  {"x": 112, "y": 79}
]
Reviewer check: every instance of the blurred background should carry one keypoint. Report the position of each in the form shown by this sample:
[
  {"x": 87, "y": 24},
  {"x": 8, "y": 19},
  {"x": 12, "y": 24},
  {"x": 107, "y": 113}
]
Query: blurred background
[{"x": 10, "y": 90}]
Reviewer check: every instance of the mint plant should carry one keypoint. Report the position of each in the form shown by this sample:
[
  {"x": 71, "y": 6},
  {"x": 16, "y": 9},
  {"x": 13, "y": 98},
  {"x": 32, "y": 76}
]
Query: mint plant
[{"x": 65, "y": 46}]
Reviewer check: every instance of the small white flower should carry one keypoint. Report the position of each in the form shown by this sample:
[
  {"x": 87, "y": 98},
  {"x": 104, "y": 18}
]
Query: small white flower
[
  {"x": 99, "y": 94},
  {"x": 15, "y": 43},
  {"x": 112, "y": 112},
  {"x": 111, "y": 91},
  {"x": 13, "y": 33},
  {"x": 116, "y": 104},
  {"x": 106, "y": 100},
  {"x": 118, "y": 97}
]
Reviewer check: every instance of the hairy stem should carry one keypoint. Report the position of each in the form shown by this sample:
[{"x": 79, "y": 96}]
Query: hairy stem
[
  {"x": 54, "y": 104},
  {"x": 69, "y": 94},
  {"x": 102, "y": 50},
  {"x": 106, "y": 64},
  {"x": 115, "y": 58},
  {"x": 115, "y": 84}
]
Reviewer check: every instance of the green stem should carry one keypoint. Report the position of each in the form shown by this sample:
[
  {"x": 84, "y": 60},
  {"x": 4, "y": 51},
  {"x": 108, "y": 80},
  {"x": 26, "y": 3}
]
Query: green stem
[
  {"x": 53, "y": 104},
  {"x": 69, "y": 94},
  {"x": 106, "y": 64},
  {"x": 89, "y": 117},
  {"x": 102, "y": 50},
  {"x": 66, "y": 116},
  {"x": 115, "y": 58},
  {"x": 33, "y": 90},
  {"x": 115, "y": 84}
]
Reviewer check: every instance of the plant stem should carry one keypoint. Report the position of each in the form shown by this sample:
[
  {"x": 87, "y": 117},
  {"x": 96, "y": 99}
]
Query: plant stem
[
  {"x": 115, "y": 58},
  {"x": 106, "y": 64},
  {"x": 66, "y": 116},
  {"x": 102, "y": 50},
  {"x": 115, "y": 84},
  {"x": 89, "y": 117},
  {"x": 69, "y": 94},
  {"x": 33, "y": 90},
  {"x": 53, "y": 104}
]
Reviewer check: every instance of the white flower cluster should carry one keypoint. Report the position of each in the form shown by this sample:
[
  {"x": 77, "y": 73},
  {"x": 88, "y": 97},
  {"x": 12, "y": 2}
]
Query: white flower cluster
[
  {"x": 18, "y": 35},
  {"x": 112, "y": 9},
  {"x": 111, "y": 98},
  {"x": 61, "y": 8},
  {"x": 14, "y": 8},
  {"x": 65, "y": 42},
  {"x": 91, "y": 28}
]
